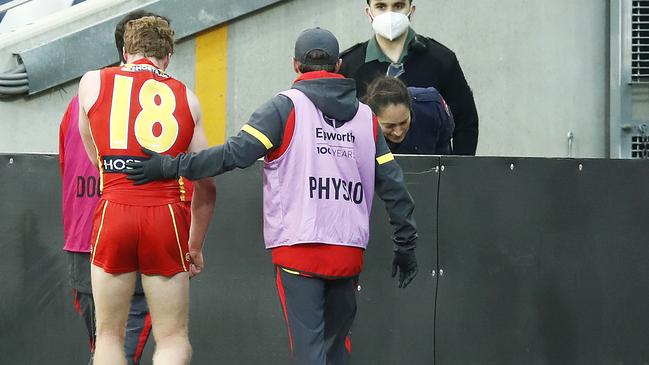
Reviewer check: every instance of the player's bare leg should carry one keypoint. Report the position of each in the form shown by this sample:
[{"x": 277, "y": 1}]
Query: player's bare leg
[
  {"x": 112, "y": 295},
  {"x": 168, "y": 300}
]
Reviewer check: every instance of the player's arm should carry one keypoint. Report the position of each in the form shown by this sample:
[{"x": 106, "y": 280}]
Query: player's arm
[
  {"x": 204, "y": 193},
  {"x": 88, "y": 94},
  {"x": 391, "y": 188}
]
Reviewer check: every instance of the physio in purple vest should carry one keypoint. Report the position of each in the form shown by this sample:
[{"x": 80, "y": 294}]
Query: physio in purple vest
[{"x": 324, "y": 159}]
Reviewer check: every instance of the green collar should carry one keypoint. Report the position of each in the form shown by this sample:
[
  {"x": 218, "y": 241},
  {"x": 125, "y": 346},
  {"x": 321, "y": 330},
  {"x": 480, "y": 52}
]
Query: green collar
[{"x": 374, "y": 52}]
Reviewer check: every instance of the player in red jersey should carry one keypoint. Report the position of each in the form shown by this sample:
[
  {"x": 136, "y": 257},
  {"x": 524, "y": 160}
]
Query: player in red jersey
[{"x": 136, "y": 228}]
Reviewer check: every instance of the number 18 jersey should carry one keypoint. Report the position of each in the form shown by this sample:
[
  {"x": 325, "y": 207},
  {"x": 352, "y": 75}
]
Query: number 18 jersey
[{"x": 139, "y": 106}]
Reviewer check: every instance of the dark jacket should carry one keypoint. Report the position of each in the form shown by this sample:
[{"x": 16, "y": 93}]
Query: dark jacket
[
  {"x": 428, "y": 63},
  {"x": 336, "y": 98},
  {"x": 431, "y": 125}
]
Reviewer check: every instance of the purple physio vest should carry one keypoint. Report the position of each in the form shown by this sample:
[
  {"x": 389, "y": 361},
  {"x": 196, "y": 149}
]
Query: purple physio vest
[
  {"x": 320, "y": 190},
  {"x": 80, "y": 187}
]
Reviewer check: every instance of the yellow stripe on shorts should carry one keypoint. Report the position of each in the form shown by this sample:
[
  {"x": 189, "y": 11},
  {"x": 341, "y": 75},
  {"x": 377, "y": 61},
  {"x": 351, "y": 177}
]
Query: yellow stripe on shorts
[
  {"x": 180, "y": 250},
  {"x": 101, "y": 225},
  {"x": 385, "y": 158},
  {"x": 183, "y": 190},
  {"x": 257, "y": 134},
  {"x": 291, "y": 271}
]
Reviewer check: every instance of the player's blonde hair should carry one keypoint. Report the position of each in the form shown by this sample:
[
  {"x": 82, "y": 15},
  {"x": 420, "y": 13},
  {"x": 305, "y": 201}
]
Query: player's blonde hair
[{"x": 150, "y": 35}]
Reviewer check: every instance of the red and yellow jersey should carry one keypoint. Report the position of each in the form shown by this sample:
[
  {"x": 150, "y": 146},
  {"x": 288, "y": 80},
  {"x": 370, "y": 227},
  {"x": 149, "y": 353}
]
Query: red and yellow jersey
[{"x": 139, "y": 106}]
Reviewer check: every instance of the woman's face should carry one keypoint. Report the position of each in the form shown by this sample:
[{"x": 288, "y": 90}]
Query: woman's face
[{"x": 394, "y": 120}]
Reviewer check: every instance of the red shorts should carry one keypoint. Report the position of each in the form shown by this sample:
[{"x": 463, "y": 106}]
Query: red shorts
[{"x": 151, "y": 239}]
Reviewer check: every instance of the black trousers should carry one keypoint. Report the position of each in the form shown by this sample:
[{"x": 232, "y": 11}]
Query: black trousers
[{"x": 319, "y": 314}]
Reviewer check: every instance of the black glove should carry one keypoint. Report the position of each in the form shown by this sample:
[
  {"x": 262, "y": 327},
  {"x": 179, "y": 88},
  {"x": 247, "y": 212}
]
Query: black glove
[
  {"x": 406, "y": 262},
  {"x": 157, "y": 167}
]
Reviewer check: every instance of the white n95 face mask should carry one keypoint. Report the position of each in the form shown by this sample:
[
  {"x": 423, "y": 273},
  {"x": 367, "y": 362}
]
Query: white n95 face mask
[{"x": 390, "y": 25}]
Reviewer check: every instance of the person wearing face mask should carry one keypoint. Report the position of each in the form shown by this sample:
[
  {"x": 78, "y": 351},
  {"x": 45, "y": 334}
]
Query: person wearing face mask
[
  {"x": 413, "y": 120},
  {"x": 398, "y": 51}
]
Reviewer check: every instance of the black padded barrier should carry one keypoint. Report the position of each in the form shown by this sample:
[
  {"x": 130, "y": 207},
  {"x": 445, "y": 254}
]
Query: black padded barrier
[
  {"x": 38, "y": 324},
  {"x": 545, "y": 262},
  {"x": 542, "y": 264},
  {"x": 235, "y": 312},
  {"x": 395, "y": 326}
]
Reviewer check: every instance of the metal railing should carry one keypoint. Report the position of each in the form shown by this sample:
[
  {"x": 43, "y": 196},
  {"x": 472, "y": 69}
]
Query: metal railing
[{"x": 12, "y": 4}]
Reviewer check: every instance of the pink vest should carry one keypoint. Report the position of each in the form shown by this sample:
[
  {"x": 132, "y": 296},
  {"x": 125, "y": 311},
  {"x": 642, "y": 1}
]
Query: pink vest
[
  {"x": 80, "y": 187},
  {"x": 320, "y": 190}
]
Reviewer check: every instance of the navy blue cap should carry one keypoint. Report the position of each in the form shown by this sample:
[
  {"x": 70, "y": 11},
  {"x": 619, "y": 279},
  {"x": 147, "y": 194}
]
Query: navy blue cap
[{"x": 317, "y": 39}]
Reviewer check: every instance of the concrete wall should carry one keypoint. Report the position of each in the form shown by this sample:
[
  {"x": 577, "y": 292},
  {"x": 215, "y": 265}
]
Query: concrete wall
[
  {"x": 538, "y": 70},
  {"x": 640, "y": 105}
]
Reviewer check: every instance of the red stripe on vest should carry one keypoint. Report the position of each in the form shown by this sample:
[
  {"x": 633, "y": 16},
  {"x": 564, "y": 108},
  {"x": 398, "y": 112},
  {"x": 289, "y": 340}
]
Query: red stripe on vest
[
  {"x": 286, "y": 140},
  {"x": 375, "y": 125}
]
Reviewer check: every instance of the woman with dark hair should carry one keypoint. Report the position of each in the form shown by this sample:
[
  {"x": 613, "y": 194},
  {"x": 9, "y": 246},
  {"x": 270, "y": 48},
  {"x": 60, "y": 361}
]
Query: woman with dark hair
[{"x": 413, "y": 120}]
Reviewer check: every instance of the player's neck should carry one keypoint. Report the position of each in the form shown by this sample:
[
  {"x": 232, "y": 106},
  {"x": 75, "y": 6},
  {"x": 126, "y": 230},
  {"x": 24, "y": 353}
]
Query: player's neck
[{"x": 156, "y": 62}]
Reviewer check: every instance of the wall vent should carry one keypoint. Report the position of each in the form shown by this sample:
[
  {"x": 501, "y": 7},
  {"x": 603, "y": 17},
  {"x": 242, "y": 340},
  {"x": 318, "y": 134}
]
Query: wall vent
[
  {"x": 640, "y": 147},
  {"x": 640, "y": 42}
]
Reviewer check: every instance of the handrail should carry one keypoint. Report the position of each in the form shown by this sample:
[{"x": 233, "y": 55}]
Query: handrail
[{"x": 12, "y": 4}]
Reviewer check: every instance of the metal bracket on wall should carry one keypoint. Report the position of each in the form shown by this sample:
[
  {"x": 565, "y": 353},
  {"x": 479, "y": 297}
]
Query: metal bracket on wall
[{"x": 62, "y": 60}]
